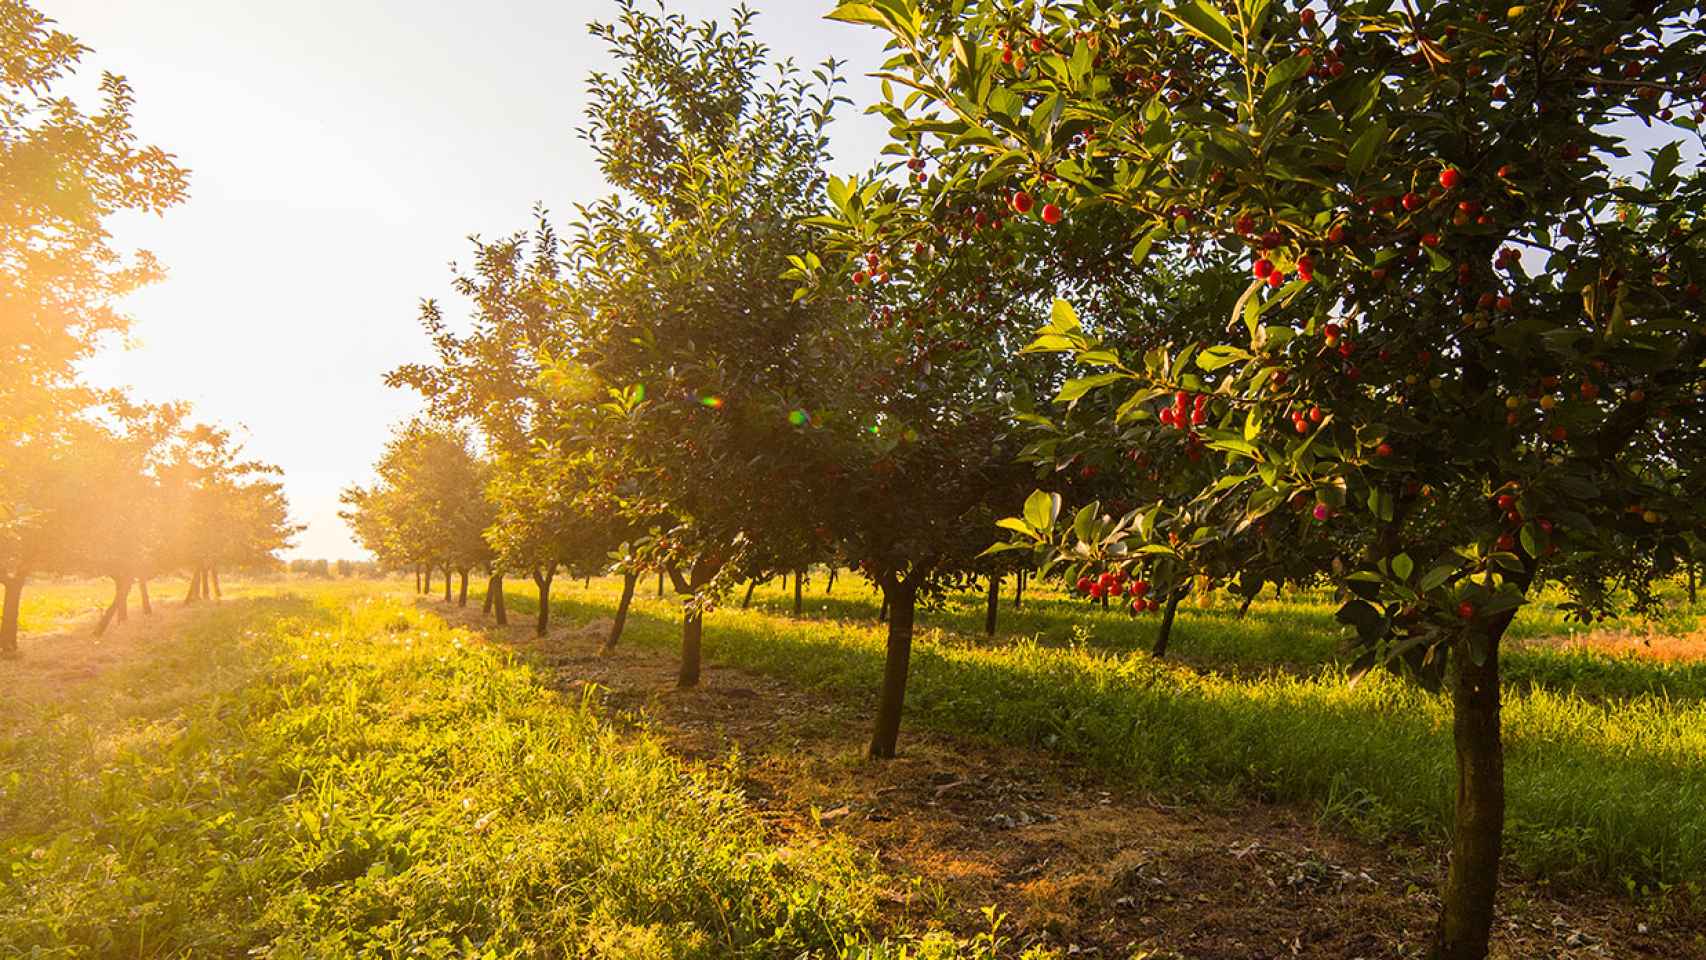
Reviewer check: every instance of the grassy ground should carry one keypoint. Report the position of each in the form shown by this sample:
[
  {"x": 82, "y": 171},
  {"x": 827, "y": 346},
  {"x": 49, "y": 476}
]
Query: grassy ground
[
  {"x": 1606, "y": 753},
  {"x": 323, "y": 773}
]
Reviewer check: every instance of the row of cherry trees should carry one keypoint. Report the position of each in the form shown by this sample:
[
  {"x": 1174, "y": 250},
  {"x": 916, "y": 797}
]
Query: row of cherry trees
[{"x": 91, "y": 483}]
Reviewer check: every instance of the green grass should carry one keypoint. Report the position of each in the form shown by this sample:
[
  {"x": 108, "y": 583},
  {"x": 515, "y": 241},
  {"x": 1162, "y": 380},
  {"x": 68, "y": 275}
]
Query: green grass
[
  {"x": 329, "y": 775},
  {"x": 1603, "y": 791}
]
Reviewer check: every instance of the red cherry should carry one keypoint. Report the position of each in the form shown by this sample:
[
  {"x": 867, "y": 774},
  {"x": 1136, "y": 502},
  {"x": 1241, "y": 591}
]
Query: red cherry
[
  {"x": 1323, "y": 512},
  {"x": 1305, "y": 269},
  {"x": 1084, "y": 584},
  {"x": 1449, "y": 177},
  {"x": 1263, "y": 268},
  {"x": 1430, "y": 239},
  {"x": 1245, "y": 225},
  {"x": 1137, "y": 605},
  {"x": 1505, "y": 501},
  {"x": 1466, "y": 610},
  {"x": 1022, "y": 202},
  {"x": 1413, "y": 202},
  {"x": 1506, "y": 542},
  {"x": 1276, "y": 278},
  {"x": 1051, "y": 213},
  {"x": 859, "y": 278},
  {"x": 1037, "y": 45},
  {"x": 1384, "y": 450},
  {"x": 1315, "y": 414},
  {"x": 1307, "y": 17}
]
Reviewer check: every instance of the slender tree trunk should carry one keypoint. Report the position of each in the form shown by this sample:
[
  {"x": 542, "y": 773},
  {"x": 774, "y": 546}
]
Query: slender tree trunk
[
  {"x": 194, "y": 593},
  {"x": 428, "y": 588},
  {"x": 692, "y": 636},
  {"x": 799, "y": 587},
  {"x": 447, "y": 585},
  {"x": 9, "y": 617},
  {"x": 746, "y": 601},
  {"x": 660, "y": 584},
  {"x": 213, "y": 578},
  {"x": 829, "y": 583},
  {"x": 1244, "y": 608},
  {"x": 1691, "y": 578},
  {"x": 588, "y": 583},
  {"x": 900, "y": 599},
  {"x": 147, "y": 605},
  {"x": 784, "y": 583},
  {"x": 462, "y": 591},
  {"x": 1166, "y": 632},
  {"x": 115, "y": 610},
  {"x": 1472, "y": 882},
  {"x": 543, "y": 582},
  {"x": 1018, "y": 589},
  {"x": 628, "y": 582},
  {"x": 994, "y": 602},
  {"x": 486, "y": 602},
  {"x": 417, "y": 580},
  {"x": 498, "y": 603}
]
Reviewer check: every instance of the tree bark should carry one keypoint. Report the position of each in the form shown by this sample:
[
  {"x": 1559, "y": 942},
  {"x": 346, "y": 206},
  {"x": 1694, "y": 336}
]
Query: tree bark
[
  {"x": 194, "y": 593},
  {"x": 1472, "y": 882},
  {"x": 1166, "y": 632},
  {"x": 1244, "y": 608},
  {"x": 829, "y": 583},
  {"x": 213, "y": 578},
  {"x": 486, "y": 601},
  {"x": 799, "y": 587},
  {"x": 588, "y": 583},
  {"x": 9, "y": 617},
  {"x": 543, "y": 582},
  {"x": 498, "y": 610},
  {"x": 660, "y": 584},
  {"x": 900, "y": 598},
  {"x": 428, "y": 586},
  {"x": 1691, "y": 578},
  {"x": 883, "y": 612},
  {"x": 147, "y": 605},
  {"x": 417, "y": 580},
  {"x": 994, "y": 602},
  {"x": 746, "y": 601},
  {"x": 447, "y": 585},
  {"x": 118, "y": 609},
  {"x": 692, "y": 637},
  {"x": 628, "y": 581},
  {"x": 462, "y": 590},
  {"x": 1018, "y": 589}
]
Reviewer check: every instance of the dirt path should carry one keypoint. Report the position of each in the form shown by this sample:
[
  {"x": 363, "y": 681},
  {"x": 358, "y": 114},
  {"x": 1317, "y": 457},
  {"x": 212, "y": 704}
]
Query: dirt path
[{"x": 1075, "y": 861}]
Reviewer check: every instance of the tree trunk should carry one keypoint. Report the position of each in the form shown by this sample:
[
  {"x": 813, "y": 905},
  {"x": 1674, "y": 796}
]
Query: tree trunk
[
  {"x": 628, "y": 581},
  {"x": 9, "y": 617},
  {"x": 417, "y": 580},
  {"x": 746, "y": 601},
  {"x": 447, "y": 585},
  {"x": 147, "y": 605},
  {"x": 994, "y": 602},
  {"x": 543, "y": 582},
  {"x": 498, "y": 610},
  {"x": 1244, "y": 608},
  {"x": 1472, "y": 883},
  {"x": 462, "y": 590},
  {"x": 1166, "y": 633},
  {"x": 588, "y": 583},
  {"x": 799, "y": 586},
  {"x": 883, "y": 612},
  {"x": 900, "y": 599},
  {"x": 213, "y": 578},
  {"x": 194, "y": 593},
  {"x": 660, "y": 584},
  {"x": 486, "y": 602},
  {"x": 1691, "y": 576},
  {"x": 829, "y": 583},
  {"x": 692, "y": 635},
  {"x": 428, "y": 587},
  {"x": 1018, "y": 589},
  {"x": 784, "y": 583},
  {"x": 115, "y": 610}
]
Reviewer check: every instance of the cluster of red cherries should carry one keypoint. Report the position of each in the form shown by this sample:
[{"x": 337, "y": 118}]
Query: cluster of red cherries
[
  {"x": 1185, "y": 412},
  {"x": 1118, "y": 583}
]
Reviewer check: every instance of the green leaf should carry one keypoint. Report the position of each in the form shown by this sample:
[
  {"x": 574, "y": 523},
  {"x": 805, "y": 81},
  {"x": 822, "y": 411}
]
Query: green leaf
[
  {"x": 1084, "y": 523},
  {"x": 1436, "y": 577},
  {"x": 1205, "y": 21},
  {"x": 1041, "y": 510},
  {"x": 1018, "y": 526},
  {"x": 1063, "y": 317},
  {"x": 1403, "y": 566},
  {"x": 1140, "y": 253},
  {"x": 1363, "y": 150},
  {"x": 1286, "y": 71},
  {"x": 1073, "y": 389}
]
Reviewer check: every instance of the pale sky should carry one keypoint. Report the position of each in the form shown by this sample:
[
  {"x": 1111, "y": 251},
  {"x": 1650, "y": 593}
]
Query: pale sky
[{"x": 341, "y": 153}]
